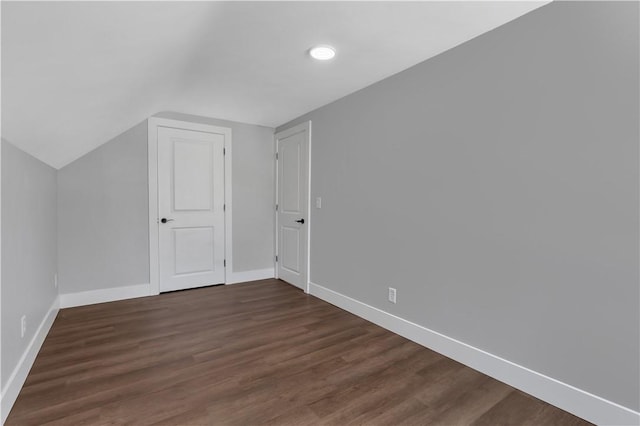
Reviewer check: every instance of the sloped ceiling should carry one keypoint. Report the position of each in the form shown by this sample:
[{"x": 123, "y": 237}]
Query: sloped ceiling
[{"x": 76, "y": 74}]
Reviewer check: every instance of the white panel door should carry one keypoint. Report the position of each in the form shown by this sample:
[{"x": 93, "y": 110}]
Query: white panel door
[
  {"x": 191, "y": 208},
  {"x": 292, "y": 209}
]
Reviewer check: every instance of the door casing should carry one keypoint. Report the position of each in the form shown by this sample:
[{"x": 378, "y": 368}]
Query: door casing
[
  {"x": 154, "y": 258},
  {"x": 305, "y": 126}
]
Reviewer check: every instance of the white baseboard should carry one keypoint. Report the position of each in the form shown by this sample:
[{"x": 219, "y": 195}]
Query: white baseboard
[
  {"x": 92, "y": 297},
  {"x": 19, "y": 374},
  {"x": 256, "y": 274},
  {"x": 569, "y": 398}
]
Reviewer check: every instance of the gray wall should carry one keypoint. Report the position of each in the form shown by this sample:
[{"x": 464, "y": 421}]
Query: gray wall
[
  {"x": 28, "y": 249},
  {"x": 496, "y": 187},
  {"x": 103, "y": 208},
  {"x": 103, "y": 216}
]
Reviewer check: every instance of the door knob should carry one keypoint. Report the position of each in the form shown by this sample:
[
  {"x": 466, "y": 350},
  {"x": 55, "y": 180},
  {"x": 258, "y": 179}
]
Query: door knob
[
  {"x": 300, "y": 221},
  {"x": 165, "y": 220}
]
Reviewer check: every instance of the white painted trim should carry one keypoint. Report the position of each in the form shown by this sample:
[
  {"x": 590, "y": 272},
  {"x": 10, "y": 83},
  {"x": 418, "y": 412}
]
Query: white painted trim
[
  {"x": 152, "y": 166},
  {"x": 20, "y": 373},
  {"x": 308, "y": 279},
  {"x": 2, "y": 410},
  {"x": 256, "y": 274},
  {"x": 152, "y": 142},
  {"x": 228, "y": 200},
  {"x": 104, "y": 295},
  {"x": 305, "y": 126},
  {"x": 567, "y": 397},
  {"x": 275, "y": 202}
]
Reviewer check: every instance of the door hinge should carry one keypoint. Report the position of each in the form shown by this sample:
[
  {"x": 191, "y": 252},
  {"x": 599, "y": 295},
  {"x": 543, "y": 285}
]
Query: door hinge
[
  {"x": 276, "y": 259},
  {"x": 276, "y": 155},
  {"x": 224, "y": 207},
  {"x": 224, "y": 151},
  {"x": 225, "y": 263},
  {"x": 276, "y": 207}
]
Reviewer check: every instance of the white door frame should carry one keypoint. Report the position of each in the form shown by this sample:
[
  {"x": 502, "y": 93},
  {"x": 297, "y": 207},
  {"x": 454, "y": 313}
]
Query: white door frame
[
  {"x": 154, "y": 258},
  {"x": 281, "y": 135}
]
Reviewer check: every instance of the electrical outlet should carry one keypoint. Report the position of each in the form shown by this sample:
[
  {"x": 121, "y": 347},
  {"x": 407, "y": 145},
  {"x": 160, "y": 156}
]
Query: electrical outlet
[
  {"x": 55, "y": 280},
  {"x": 318, "y": 202},
  {"x": 392, "y": 295},
  {"x": 23, "y": 325}
]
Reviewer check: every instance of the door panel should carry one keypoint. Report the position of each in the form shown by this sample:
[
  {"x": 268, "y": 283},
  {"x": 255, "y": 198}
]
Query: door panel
[
  {"x": 290, "y": 163},
  {"x": 191, "y": 199},
  {"x": 291, "y": 249},
  {"x": 293, "y": 220},
  {"x": 193, "y": 177},
  {"x": 194, "y": 250}
]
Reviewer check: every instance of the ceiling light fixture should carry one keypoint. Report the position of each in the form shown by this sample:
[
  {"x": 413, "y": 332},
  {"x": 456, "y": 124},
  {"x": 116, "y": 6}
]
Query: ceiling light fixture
[{"x": 322, "y": 53}]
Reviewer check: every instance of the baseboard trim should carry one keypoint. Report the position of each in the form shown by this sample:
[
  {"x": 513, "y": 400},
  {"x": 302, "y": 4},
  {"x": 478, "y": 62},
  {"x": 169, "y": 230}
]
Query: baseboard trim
[
  {"x": 20, "y": 373},
  {"x": 256, "y": 274},
  {"x": 569, "y": 398},
  {"x": 92, "y": 297}
]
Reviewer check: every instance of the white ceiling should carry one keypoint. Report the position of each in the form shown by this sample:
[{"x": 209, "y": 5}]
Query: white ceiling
[{"x": 76, "y": 74}]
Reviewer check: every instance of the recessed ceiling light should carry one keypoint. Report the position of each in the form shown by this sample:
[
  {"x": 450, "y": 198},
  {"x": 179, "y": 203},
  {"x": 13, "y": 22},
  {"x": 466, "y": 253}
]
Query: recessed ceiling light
[{"x": 322, "y": 53}]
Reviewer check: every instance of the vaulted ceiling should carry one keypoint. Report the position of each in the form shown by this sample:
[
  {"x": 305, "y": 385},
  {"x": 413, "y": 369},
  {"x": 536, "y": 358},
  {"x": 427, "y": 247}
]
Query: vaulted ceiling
[{"x": 76, "y": 74}]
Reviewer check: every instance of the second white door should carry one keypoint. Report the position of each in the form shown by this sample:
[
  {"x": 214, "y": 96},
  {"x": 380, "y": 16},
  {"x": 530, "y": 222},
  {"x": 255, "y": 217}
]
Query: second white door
[
  {"x": 292, "y": 204},
  {"x": 191, "y": 208}
]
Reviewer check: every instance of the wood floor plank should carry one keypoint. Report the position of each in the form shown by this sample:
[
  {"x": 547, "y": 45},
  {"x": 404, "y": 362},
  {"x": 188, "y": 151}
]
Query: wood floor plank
[{"x": 249, "y": 354}]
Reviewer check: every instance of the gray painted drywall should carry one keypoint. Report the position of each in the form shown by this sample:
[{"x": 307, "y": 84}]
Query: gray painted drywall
[
  {"x": 103, "y": 208},
  {"x": 28, "y": 249},
  {"x": 252, "y": 189},
  {"x": 103, "y": 216},
  {"x": 496, "y": 187}
]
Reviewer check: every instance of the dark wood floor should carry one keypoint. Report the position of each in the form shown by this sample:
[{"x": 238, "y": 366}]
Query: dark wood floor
[{"x": 255, "y": 353}]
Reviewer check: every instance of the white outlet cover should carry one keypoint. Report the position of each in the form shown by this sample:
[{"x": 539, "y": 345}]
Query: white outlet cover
[
  {"x": 318, "y": 202},
  {"x": 392, "y": 295}
]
